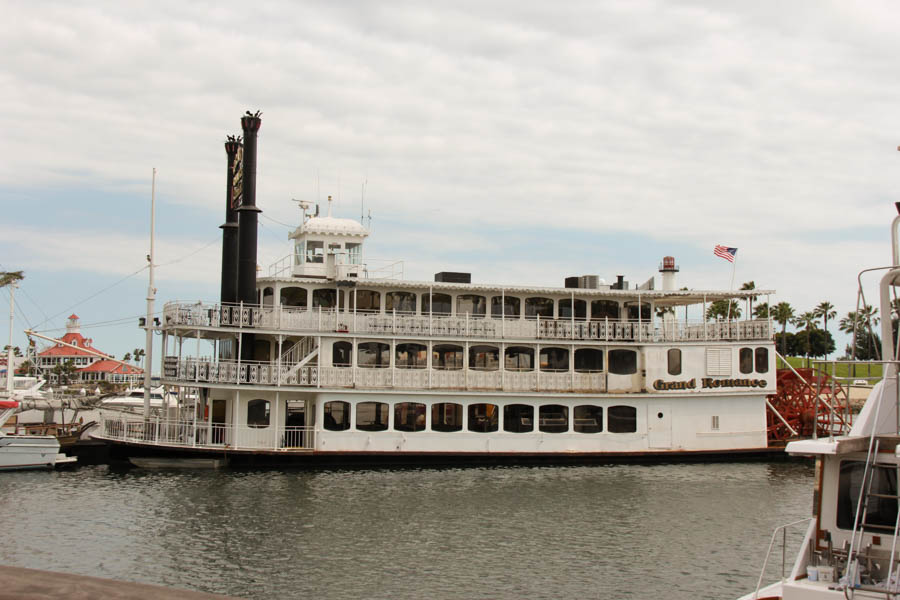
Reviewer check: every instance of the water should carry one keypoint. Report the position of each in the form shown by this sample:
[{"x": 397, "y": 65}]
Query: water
[{"x": 626, "y": 531}]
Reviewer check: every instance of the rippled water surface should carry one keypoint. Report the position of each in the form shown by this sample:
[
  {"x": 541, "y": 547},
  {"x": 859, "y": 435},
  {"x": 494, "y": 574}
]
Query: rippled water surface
[{"x": 626, "y": 531}]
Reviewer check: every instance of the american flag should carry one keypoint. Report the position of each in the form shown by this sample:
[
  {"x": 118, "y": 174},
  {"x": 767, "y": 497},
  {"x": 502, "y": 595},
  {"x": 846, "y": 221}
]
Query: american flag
[{"x": 725, "y": 252}]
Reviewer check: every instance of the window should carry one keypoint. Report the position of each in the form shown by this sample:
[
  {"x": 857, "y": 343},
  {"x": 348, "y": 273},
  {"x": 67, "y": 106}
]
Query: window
[
  {"x": 483, "y": 418},
  {"x": 446, "y": 416},
  {"x": 674, "y": 356},
  {"x": 293, "y": 296},
  {"x": 588, "y": 360},
  {"x": 718, "y": 361},
  {"x": 484, "y": 358},
  {"x": 299, "y": 252},
  {"x": 762, "y": 360},
  {"x": 337, "y": 416},
  {"x": 554, "y": 418},
  {"x": 622, "y": 419},
  {"x": 402, "y": 302},
  {"x": 622, "y": 362},
  {"x": 518, "y": 418},
  {"x": 354, "y": 253},
  {"x": 368, "y": 301},
  {"x": 341, "y": 354},
  {"x": 505, "y": 306},
  {"x": 324, "y": 298},
  {"x": 604, "y": 309},
  {"x": 565, "y": 309},
  {"x": 881, "y": 511},
  {"x": 268, "y": 296},
  {"x": 746, "y": 360},
  {"x": 588, "y": 419},
  {"x": 438, "y": 304},
  {"x": 409, "y": 416},
  {"x": 519, "y": 358},
  {"x": 634, "y": 314},
  {"x": 538, "y": 307},
  {"x": 258, "y": 413},
  {"x": 447, "y": 356},
  {"x": 372, "y": 416},
  {"x": 412, "y": 356},
  {"x": 471, "y": 304},
  {"x": 315, "y": 252},
  {"x": 554, "y": 359},
  {"x": 374, "y": 355}
]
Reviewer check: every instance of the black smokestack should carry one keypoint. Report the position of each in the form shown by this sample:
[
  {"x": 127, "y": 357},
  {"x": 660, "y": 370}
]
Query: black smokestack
[
  {"x": 247, "y": 224},
  {"x": 230, "y": 227}
]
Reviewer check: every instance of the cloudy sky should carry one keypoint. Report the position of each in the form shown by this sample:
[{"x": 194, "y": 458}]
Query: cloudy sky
[{"x": 521, "y": 141}]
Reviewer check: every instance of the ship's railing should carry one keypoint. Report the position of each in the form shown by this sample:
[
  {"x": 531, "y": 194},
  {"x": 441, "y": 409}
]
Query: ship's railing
[
  {"x": 200, "y": 371},
  {"x": 322, "y": 320},
  {"x": 190, "y": 434}
]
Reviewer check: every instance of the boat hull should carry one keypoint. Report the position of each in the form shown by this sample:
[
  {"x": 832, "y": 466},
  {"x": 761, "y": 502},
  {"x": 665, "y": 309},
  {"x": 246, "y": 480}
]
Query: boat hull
[{"x": 28, "y": 452}]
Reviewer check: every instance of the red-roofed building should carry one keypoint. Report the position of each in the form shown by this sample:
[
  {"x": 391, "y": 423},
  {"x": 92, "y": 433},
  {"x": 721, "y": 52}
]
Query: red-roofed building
[{"x": 88, "y": 366}]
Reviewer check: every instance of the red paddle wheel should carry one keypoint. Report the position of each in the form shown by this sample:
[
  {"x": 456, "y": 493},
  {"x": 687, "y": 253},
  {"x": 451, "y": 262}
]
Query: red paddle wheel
[{"x": 796, "y": 401}]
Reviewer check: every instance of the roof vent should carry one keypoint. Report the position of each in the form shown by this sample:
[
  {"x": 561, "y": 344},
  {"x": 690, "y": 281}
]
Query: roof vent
[{"x": 452, "y": 277}]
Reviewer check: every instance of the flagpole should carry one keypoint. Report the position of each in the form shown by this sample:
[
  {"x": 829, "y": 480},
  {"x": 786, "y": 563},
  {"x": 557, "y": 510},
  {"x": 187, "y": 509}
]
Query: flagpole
[{"x": 731, "y": 287}]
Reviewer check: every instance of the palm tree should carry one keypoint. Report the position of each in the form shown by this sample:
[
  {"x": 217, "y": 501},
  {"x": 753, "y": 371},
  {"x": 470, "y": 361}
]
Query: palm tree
[
  {"x": 807, "y": 320},
  {"x": 825, "y": 309},
  {"x": 761, "y": 311},
  {"x": 127, "y": 356},
  {"x": 750, "y": 285},
  {"x": 8, "y": 277},
  {"x": 783, "y": 313},
  {"x": 138, "y": 355}
]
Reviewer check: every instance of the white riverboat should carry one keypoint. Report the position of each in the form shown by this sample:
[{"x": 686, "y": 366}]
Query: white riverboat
[
  {"x": 328, "y": 359},
  {"x": 849, "y": 546}
]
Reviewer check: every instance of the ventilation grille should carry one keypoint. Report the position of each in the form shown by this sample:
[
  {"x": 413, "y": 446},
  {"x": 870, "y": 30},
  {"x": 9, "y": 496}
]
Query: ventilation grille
[{"x": 718, "y": 361}]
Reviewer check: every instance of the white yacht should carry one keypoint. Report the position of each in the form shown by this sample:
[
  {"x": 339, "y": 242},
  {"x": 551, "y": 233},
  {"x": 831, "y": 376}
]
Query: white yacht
[
  {"x": 849, "y": 545},
  {"x": 27, "y": 451},
  {"x": 328, "y": 359},
  {"x": 133, "y": 399}
]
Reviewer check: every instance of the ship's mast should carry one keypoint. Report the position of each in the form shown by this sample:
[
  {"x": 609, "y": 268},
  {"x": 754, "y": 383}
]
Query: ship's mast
[
  {"x": 9, "y": 354},
  {"x": 151, "y": 297}
]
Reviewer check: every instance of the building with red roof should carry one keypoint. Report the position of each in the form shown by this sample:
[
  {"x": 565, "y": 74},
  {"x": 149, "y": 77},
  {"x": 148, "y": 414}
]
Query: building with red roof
[{"x": 89, "y": 366}]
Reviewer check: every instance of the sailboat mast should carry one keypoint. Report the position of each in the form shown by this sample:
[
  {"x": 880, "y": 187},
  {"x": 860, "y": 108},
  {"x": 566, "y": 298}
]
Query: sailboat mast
[
  {"x": 151, "y": 296},
  {"x": 9, "y": 354}
]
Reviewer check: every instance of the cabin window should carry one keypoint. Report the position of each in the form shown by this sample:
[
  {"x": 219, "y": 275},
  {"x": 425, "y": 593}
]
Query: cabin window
[
  {"x": 622, "y": 362},
  {"x": 538, "y": 307},
  {"x": 447, "y": 357},
  {"x": 518, "y": 418},
  {"x": 293, "y": 296},
  {"x": 325, "y": 298},
  {"x": 315, "y": 252},
  {"x": 446, "y": 416},
  {"x": 341, "y": 354},
  {"x": 299, "y": 251},
  {"x": 484, "y": 358},
  {"x": 746, "y": 360},
  {"x": 762, "y": 360},
  {"x": 268, "y": 296},
  {"x": 471, "y": 304},
  {"x": 374, "y": 355},
  {"x": 554, "y": 418},
  {"x": 636, "y": 312},
  {"x": 519, "y": 358},
  {"x": 565, "y": 309},
  {"x": 261, "y": 350},
  {"x": 258, "y": 413},
  {"x": 674, "y": 356},
  {"x": 621, "y": 419},
  {"x": 604, "y": 309},
  {"x": 372, "y": 416},
  {"x": 588, "y": 419},
  {"x": 483, "y": 418},
  {"x": 437, "y": 304},
  {"x": 402, "y": 302},
  {"x": 588, "y": 360},
  {"x": 882, "y": 511},
  {"x": 409, "y": 416},
  {"x": 368, "y": 301},
  {"x": 505, "y": 306},
  {"x": 354, "y": 253},
  {"x": 554, "y": 359},
  {"x": 412, "y": 356},
  {"x": 337, "y": 416}
]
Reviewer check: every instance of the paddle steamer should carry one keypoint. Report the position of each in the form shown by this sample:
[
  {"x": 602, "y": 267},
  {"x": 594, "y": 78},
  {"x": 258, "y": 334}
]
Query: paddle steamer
[{"x": 327, "y": 359}]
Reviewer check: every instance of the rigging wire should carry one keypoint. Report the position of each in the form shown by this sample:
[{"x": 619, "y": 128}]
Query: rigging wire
[
  {"x": 268, "y": 218},
  {"x": 186, "y": 256}
]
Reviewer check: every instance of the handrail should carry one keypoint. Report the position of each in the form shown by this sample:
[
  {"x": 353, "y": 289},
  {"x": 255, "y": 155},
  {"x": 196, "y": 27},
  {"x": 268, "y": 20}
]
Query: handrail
[{"x": 783, "y": 529}]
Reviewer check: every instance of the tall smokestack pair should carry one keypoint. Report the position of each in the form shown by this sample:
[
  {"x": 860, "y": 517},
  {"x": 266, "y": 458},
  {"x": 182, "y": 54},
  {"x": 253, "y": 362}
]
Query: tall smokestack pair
[{"x": 239, "y": 233}]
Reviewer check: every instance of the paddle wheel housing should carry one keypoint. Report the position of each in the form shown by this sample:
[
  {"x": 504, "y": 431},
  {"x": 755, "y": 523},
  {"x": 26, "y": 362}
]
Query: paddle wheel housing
[{"x": 812, "y": 400}]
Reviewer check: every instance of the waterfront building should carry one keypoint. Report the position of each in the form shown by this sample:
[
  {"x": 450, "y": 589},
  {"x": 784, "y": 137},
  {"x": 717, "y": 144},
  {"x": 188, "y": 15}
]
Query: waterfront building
[{"x": 90, "y": 366}]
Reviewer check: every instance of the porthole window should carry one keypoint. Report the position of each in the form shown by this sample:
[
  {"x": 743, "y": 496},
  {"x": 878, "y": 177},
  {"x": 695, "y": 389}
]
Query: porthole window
[
  {"x": 258, "y": 413},
  {"x": 762, "y": 360},
  {"x": 746, "y": 360},
  {"x": 622, "y": 362},
  {"x": 337, "y": 416},
  {"x": 518, "y": 418},
  {"x": 554, "y": 418},
  {"x": 622, "y": 419},
  {"x": 483, "y": 418},
  {"x": 446, "y": 416},
  {"x": 372, "y": 416},
  {"x": 674, "y": 356},
  {"x": 409, "y": 416},
  {"x": 588, "y": 419}
]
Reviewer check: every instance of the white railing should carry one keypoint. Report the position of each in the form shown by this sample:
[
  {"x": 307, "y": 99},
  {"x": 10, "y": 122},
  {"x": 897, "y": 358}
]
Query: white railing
[
  {"x": 322, "y": 320},
  {"x": 189, "y": 434},
  {"x": 258, "y": 373}
]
